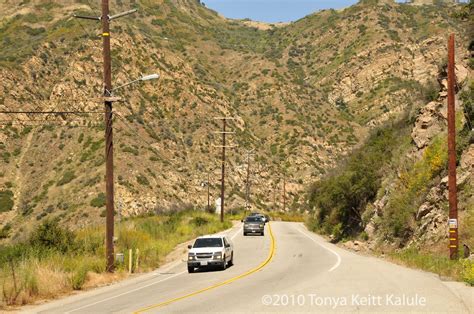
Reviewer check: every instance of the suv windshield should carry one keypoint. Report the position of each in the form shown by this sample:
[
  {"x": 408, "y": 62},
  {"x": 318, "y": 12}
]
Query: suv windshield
[
  {"x": 253, "y": 219},
  {"x": 208, "y": 242}
]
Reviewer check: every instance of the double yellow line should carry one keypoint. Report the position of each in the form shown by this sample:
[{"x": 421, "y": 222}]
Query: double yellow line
[{"x": 228, "y": 281}]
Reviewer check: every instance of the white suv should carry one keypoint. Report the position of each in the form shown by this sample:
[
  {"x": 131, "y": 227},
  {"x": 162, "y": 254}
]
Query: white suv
[{"x": 211, "y": 250}]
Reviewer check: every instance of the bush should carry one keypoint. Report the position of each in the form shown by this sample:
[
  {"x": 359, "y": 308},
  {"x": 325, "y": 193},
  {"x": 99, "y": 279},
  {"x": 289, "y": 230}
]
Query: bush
[
  {"x": 5, "y": 231},
  {"x": 99, "y": 201},
  {"x": 6, "y": 201},
  {"x": 51, "y": 236},
  {"x": 141, "y": 179},
  {"x": 79, "y": 277},
  {"x": 199, "y": 221},
  {"x": 430, "y": 91},
  {"x": 468, "y": 272},
  {"x": 68, "y": 176}
]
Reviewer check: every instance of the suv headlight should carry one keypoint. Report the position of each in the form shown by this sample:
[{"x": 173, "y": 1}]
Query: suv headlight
[
  {"x": 191, "y": 256},
  {"x": 218, "y": 255},
  {"x": 261, "y": 226}
]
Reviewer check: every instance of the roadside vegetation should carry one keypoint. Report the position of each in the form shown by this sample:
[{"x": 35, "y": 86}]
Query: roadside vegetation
[
  {"x": 55, "y": 260},
  {"x": 341, "y": 203},
  {"x": 339, "y": 200},
  {"x": 461, "y": 270}
]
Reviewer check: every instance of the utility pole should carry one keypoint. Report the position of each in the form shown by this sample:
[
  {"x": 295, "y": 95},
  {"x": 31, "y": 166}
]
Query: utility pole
[
  {"x": 453, "y": 202},
  {"x": 274, "y": 196},
  {"x": 109, "y": 146},
  {"x": 247, "y": 187},
  {"x": 105, "y": 18},
  {"x": 284, "y": 192},
  {"x": 224, "y": 132},
  {"x": 208, "y": 191}
]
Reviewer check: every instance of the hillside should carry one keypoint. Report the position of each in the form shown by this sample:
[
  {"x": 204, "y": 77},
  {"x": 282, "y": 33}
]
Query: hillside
[
  {"x": 303, "y": 95},
  {"x": 390, "y": 196}
]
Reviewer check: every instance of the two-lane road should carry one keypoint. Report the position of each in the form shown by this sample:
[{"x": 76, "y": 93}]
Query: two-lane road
[{"x": 292, "y": 270}]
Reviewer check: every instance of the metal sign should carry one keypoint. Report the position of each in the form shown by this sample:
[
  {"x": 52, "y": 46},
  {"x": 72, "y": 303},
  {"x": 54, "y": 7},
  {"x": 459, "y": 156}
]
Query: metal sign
[{"x": 453, "y": 223}]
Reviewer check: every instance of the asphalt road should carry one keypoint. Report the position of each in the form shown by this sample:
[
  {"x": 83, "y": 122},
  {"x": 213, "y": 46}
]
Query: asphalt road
[{"x": 292, "y": 270}]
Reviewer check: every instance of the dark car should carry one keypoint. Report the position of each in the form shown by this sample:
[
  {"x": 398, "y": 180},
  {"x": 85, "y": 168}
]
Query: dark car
[
  {"x": 261, "y": 216},
  {"x": 254, "y": 224}
]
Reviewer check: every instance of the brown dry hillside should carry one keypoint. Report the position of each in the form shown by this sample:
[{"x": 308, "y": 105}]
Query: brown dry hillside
[{"x": 303, "y": 96}]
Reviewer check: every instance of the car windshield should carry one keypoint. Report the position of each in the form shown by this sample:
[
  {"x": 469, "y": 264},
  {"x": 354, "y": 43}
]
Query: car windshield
[
  {"x": 253, "y": 219},
  {"x": 208, "y": 242}
]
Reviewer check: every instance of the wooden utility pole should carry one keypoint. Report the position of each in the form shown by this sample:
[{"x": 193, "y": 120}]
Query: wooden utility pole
[
  {"x": 224, "y": 132},
  {"x": 247, "y": 185},
  {"x": 224, "y": 123},
  {"x": 284, "y": 192},
  {"x": 274, "y": 196},
  {"x": 453, "y": 202},
  {"x": 208, "y": 191},
  {"x": 109, "y": 146},
  {"x": 105, "y": 19}
]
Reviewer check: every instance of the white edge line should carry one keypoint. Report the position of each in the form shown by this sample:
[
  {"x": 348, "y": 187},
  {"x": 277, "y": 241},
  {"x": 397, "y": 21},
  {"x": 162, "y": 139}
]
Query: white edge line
[
  {"x": 235, "y": 234},
  {"x": 140, "y": 288},
  {"x": 119, "y": 295},
  {"x": 325, "y": 247}
]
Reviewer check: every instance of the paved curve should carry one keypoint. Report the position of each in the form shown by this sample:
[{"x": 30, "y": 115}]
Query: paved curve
[{"x": 306, "y": 274}]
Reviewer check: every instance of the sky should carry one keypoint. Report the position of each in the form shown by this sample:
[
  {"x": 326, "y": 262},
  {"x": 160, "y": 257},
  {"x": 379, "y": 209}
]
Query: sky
[{"x": 273, "y": 11}]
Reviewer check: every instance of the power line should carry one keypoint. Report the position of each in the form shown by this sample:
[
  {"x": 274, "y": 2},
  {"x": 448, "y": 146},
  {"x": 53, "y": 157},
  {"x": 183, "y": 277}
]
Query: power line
[
  {"x": 51, "y": 112},
  {"x": 224, "y": 132}
]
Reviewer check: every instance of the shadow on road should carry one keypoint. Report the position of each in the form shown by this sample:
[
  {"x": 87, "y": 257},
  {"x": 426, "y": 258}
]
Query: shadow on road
[{"x": 209, "y": 269}]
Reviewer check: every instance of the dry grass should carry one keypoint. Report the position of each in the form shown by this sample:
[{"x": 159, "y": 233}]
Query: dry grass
[
  {"x": 38, "y": 274},
  {"x": 460, "y": 270}
]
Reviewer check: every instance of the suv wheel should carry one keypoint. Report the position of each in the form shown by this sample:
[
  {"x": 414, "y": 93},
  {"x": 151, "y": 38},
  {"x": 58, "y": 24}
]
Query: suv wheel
[
  {"x": 190, "y": 269},
  {"x": 224, "y": 264}
]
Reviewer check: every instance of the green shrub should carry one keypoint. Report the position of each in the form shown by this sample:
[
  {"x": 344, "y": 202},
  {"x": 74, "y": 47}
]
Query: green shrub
[
  {"x": 50, "y": 235},
  {"x": 68, "y": 176},
  {"x": 141, "y": 179},
  {"x": 79, "y": 277},
  {"x": 6, "y": 201},
  {"x": 99, "y": 201},
  {"x": 199, "y": 221},
  {"x": 131, "y": 150},
  {"x": 468, "y": 271},
  {"x": 430, "y": 91},
  {"x": 5, "y": 231}
]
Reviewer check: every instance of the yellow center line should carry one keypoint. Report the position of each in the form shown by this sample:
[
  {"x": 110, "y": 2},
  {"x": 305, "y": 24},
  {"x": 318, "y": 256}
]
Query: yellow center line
[{"x": 228, "y": 281}]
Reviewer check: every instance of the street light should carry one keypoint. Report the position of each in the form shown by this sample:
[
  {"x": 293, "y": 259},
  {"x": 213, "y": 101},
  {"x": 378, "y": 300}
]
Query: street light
[{"x": 154, "y": 76}]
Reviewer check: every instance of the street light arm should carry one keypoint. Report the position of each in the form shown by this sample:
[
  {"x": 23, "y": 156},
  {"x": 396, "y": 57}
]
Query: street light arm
[
  {"x": 141, "y": 79},
  {"x": 87, "y": 17},
  {"x": 124, "y": 85},
  {"x": 116, "y": 16}
]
